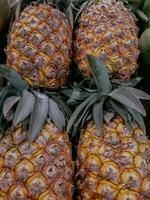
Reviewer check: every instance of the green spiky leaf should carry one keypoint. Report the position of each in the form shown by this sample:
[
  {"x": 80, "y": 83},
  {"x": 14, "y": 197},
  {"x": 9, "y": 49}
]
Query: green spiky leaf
[
  {"x": 128, "y": 99},
  {"x": 4, "y": 93},
  {"x": 13, "y": 77},
  {"x": 100, "y": 74},
  {"x": 98, "y": 115},
  {"x": 67, "y": 111},
  {"x": 10, "y": 115},
  {"x": 69, "y": 14},
  {"x": 127, "y": 83},
  {"x": 87, "y": 107},
  {"x": 108, "y": 116},
  {"x": 9, "y": 103},
  {"x": 87, "y": 116},
  {"x": 24, "y": 107},
  {"x": 141, "y": 16},
  {"x": 56, "y": 115},
  {"x": 120, "y": 110},
  {"x": 78, "y": 111},
  {"x": 137, "y": 117},
  {"x": 38, "y": 116},
  {"x": 138, "y": 93}
]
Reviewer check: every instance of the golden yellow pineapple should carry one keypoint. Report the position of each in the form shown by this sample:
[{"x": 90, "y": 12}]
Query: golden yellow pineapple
[
  {"x": 35, "y": 152},
  {"x": 113, "y": 154},
  {"x": 107, "y": 30},
  {"x": 115, "y": 165},
  {"x": 41, "y": 170},
  {"x": 39, "y": 46}
]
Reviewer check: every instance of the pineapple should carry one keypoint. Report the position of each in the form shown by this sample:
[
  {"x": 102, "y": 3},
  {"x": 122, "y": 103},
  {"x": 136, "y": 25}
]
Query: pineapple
[
  {"x": 41, "y": 170},
  {"x": 107, "y": 30},
  {"x": 113, "y": 154},
  {"x": 35, "y": 152},
  {"x": 39, "y": 46},
  {"x": 115, "y": 165}
]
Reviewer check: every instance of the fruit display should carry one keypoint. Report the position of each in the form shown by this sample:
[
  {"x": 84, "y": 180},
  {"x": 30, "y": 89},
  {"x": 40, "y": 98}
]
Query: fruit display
[
  {"x": 39, "y": 46},
  {"x": 74, "y": 112},
  {"x": 106, "y": 29}
]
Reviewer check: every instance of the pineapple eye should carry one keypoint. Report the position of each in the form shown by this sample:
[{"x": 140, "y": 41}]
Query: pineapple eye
[
  {"x": 36, "y": 38},
  {"x": 53, "y": 149},
  {"x": 61, "y": 162},
  {"x": 24, "y": 32},
  {"x": 42, "y": 14},
  {"x": 26, "y": 64},
  {"x": 51, "y": 172}
]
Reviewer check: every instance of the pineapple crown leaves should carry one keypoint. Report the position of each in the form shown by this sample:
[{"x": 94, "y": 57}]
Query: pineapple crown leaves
[
  {"x": 13, "y": 78},
  {"x": 103, "y": 103},
  {"x": 27, "y": 106}
]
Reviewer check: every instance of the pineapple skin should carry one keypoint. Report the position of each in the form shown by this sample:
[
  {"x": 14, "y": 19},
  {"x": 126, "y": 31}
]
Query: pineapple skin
[
  {"x": 114, "y": 165},
  {"x": 42, "y": 170},
  {"x": 107, "y": 30},
  {"x": 39, "y": 46}
]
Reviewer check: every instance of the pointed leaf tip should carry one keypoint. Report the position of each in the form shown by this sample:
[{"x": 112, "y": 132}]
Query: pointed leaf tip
[
  {"x": 9, "y": 103},
  {"x": 56, "y": 115},
  {"x": 137, "y": 117},
  {"x": 38, "y": 116},
  {"x": 98, "y": 115},
  {"x": 13, "y": 77},
  {"x": 138, "y": 93},
  {"x": 128, "y": 99},
  {"x": 100, "y": 74},
  {"x": 24, "y": 107}
]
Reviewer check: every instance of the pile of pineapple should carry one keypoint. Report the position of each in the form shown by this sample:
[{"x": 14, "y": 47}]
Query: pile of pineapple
[{"x": 71, "y": 119}]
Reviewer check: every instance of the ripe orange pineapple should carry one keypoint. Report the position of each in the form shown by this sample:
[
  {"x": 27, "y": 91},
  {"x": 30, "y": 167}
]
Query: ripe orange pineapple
[
  {"x": 107, "y": 30},
  {"x": 115, "y": 165},
  {"x": 113, "y": 158},
  {"x": 41, "y": 170},
  {"x": 35, "y": 153},
  {"x": 39, "y": 46}
]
